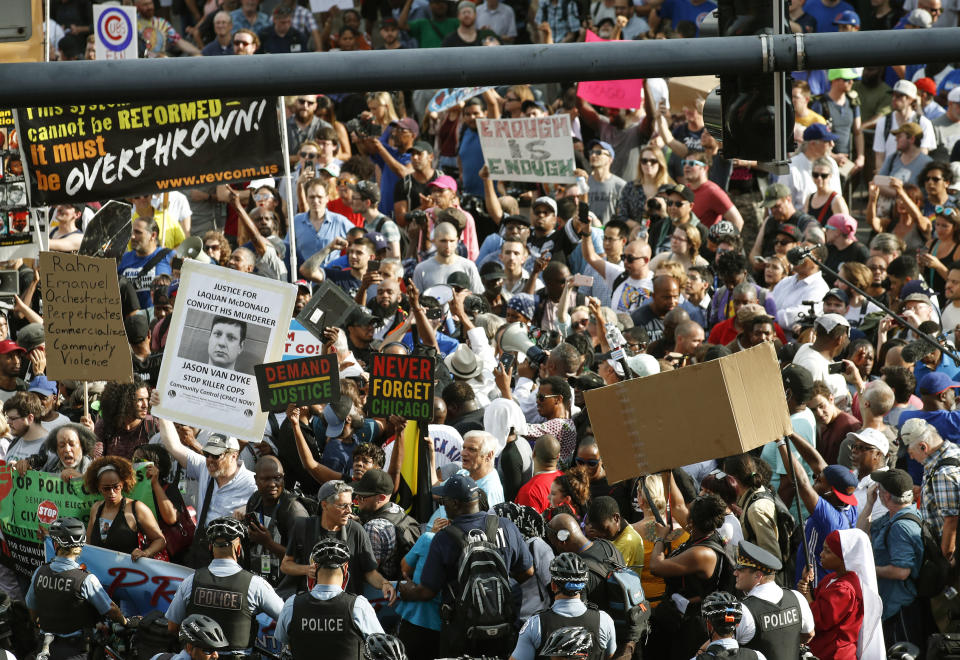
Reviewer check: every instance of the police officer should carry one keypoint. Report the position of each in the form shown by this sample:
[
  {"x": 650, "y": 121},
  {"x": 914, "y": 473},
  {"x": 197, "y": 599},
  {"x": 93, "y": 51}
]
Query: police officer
[
  {"x": 225, "y": 592},
  {"x": 202, "y": 639},
  {"x": 327, "y": 617},
  {"x": 64, "y": 599},
  {"x": 722, "y": 613},
  {"x": 775, "y": 621},
  {"x": 383, "y": 647},
  {"x": 568, "y": 578}
]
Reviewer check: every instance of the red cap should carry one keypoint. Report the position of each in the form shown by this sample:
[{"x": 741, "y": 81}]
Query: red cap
[
  {"x": 927, "y": 85},
  {"x": 8, "y": 346}
]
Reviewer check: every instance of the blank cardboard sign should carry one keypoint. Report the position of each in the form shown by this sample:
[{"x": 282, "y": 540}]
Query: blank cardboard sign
[{"x": 704, "y": 411}]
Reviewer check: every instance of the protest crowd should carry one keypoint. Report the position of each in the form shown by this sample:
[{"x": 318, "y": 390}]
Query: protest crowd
[{"x": 651, "y": 253}]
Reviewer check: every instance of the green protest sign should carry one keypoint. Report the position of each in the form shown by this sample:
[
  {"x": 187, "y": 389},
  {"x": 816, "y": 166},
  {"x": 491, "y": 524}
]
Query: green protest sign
[{"x": 143, "y": 491}]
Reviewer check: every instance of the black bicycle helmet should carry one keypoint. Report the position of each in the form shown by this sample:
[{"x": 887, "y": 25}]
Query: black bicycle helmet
[
  {"x": 568, "y": 567},
  {"x": 330, "y": 553},
  {"x": 568, "y": 642},
  {"x": 383, "y": 647},
  {"x": 68, "y": 533},
  {"x": 528, "y": 521},
  {"x": 226, "y": 528},
  {"x": 200, "y": 630},
  {"x": 722, "y": 610}
]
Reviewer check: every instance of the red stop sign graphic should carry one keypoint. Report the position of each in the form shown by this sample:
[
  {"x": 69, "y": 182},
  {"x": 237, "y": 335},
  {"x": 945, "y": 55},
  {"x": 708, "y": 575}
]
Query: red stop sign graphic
[{"x": 47, "y": 512}]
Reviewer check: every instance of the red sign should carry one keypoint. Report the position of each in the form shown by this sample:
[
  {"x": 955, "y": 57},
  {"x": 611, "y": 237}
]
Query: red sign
[{"x": 47, "y": 512}]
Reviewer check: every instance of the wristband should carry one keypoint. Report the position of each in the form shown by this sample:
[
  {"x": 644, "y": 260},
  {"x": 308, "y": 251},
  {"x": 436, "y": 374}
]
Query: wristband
[{"x": 781, "y": 443}]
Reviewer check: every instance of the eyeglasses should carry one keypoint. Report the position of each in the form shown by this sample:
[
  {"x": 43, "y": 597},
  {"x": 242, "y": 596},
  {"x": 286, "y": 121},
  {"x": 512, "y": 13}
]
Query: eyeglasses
[
  {"x": 935, "y": 179},
  {"x": 820, "y": 175},
  {"x": 679, "y": 239},
  {"x": 691, "y": 163},
  {"x": 544, "y": 397},
  {"x": 590, "y": 462},
  {"x": 946, "y": 211},
  {"x": 345, "y": 506},
  {"x": 934, "y": 12},
  {"x": 211, "y": 248},
  {"x": 671, "y": 202},
  {"x": 306, "y": 102},
  {"x": 581, "y": 322},
  {"x": 206, "y": 651},
  {"x": 262, "y": 197},
  {"x": 241, "y": 42},
  {"x": 629, "y": 258},
  {"x": 649, "y": 161},
  {"x": 113, "y": 488}
]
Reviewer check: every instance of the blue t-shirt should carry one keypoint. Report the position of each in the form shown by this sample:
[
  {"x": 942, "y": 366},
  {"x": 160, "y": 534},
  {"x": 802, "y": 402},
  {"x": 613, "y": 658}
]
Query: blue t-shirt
[
  {"x": 130, "y": 265},
  {"x": 471, "y": 161},
  {"x": 948, "y": 82},
  {"x": 683, "y": 10},
  {"x": 440, "y": 568},
  {"x": 388, "y": 178},
  {"x": 825, "y": 15},
  {"x": 446, "y": 343},
  {"x": 344, "y": 279},
  {"x": 824, "y": 519},
  {"x": 425, "y": 614},
  {"x": 897, "y": 542},
  {"x": 338, "y": 455}
]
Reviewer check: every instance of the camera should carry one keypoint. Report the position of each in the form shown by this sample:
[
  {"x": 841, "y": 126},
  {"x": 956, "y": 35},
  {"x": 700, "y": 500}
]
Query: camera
[
  {"x": 364, "y": 128},
  {"x": 418, "y": 216}
]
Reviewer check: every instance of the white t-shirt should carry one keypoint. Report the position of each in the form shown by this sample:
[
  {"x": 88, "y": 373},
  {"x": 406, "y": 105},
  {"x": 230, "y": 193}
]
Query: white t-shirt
[
  {"x": 888, "y": 146},
  {"x": 819, "y": 366},
  {"x": 950, "y": 318},
  {"x": 447, "y": 445},
  {"x": 178, "y": 206},
  {"x": 631, "y": 293},
  {"x": 23, "y": 449},
  {"x": 56, "y": 422}
]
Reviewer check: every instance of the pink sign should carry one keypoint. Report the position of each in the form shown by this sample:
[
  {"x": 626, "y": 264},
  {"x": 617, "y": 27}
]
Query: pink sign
[{"x": 611, "y": 93}]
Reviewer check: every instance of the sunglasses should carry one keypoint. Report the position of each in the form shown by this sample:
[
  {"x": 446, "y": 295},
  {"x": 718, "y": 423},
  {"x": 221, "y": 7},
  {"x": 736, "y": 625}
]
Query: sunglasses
[
  {"x": 345, "y": 506},
  {"x": 211, "y": 248},
  {"x": 308, "y": 154},
  {"x": 212, "y": 457},
  {"x": 262, "y": 197},
  {"x": 544, "y": 397},
  {"x": 590, "y": 462},
  {"x": 630, "y": 258},
  {"x": 306, "y": 102},
  {"x": 783, "y": 241},
  {"x": 946, "y": 211},
  {"x": 597, "y": 152},
  {"x": 671, "y": 202},
  {"x": 691, "y": 163},
  {"x": 241, "y": 42},
  {"x": 111, "y": 489},
  {"x": 649, "y": 161},
  {"x": 820, "y": 175},
  {"x": 935, "y": 179}
]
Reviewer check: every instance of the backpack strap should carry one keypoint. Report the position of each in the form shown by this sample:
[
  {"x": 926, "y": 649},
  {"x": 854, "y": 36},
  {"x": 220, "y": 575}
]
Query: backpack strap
[
  {"x": 158, "y": 256},
  {"x": 907, "y": 516},
  {"x": 947, "y": 462},
  {"x": 457, "y": 534},
  {"x": 492, "y": 527},
  {"x": 825, "y": 208}
]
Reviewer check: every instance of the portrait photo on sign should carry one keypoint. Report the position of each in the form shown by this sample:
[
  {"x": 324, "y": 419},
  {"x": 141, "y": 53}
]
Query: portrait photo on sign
[
  {"x": 15, "y": 196},
  {"x": 223, "y": 342}
]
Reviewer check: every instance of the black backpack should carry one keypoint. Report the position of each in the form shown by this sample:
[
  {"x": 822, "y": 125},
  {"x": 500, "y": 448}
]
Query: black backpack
[
  {"x": 408, "y": 530},
  {"x": 726, "y": 580},
  {"x": 789, "y": 534},
  {"x": 481, "y": 607},
  {"x": 944, "y": 647}
]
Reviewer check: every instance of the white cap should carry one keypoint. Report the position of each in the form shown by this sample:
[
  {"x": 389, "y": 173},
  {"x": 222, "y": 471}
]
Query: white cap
[
  {"x": 912, "y": 429},
  {"x": 830, "y": 321},
  {"x": 906, "y": 88},
  {"x": 954, "y": 95},
  {"x": 641, "y": 365},
  {"x": 874, "y": 438}
]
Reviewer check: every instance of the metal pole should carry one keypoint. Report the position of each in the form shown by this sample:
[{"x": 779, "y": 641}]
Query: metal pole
[
  {"x": 796, "y": 499},
  {"x": 28, "y": 84},
  {"x": 291, "y": 202}
]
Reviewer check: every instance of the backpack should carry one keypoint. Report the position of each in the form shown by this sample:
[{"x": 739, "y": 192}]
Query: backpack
[
  {"x": 726, "y": 580},
  {"x": 404, "y": 237},
  {"x": 944, "y": 647},
  {"x": 482, "y": 607},
  {"x": 626, "y": 603},
  {"x": 933, "y": 566},
  {"x": 408, "y": 530},
  {"x": 789, "y": 534}
]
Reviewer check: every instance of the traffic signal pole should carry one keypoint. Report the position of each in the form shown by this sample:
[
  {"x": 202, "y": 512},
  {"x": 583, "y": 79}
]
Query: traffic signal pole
[{"x": 89, "y": 82}]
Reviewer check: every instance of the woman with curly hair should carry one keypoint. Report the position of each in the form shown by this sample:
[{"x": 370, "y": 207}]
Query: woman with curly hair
[
  {"x": 217, "y": 247},
  {"x": 67, "y": 450},
  {"x": 116, "y": 522},
  {"x": 569, "y": 493},
  {"x": 125, "y": 421}
]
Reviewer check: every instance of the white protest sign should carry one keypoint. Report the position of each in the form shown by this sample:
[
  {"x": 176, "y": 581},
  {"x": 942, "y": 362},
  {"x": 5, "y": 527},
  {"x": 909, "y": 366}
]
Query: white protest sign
[
  {"x": 224, "y": 322},
  {"x": 115, "y": 32},
  {"x": 534, "y": 149},
  {"x": 300, "y": 342},
  {"x": 323, "y": 6}
]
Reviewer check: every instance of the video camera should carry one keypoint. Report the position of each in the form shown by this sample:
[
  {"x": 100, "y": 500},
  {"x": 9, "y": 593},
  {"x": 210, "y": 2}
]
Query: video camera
[{"x": 364, "y": 128}]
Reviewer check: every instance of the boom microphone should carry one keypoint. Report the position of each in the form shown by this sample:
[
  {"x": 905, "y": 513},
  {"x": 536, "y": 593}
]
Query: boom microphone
[{"x": 798, "y": 254}]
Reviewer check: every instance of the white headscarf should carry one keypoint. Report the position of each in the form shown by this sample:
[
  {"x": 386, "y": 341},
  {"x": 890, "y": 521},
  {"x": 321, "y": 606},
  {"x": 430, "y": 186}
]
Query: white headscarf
[
  {"x": 499, "y": 416},
  {"x": 858, "y": 557}
]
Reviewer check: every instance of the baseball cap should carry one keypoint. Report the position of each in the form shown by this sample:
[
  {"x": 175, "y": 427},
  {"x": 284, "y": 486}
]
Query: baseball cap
[
  {"x": 218, "y": 443},
  {"x": 444, "y": 182},
  {"x": 492, "y": 271},
  {"x": 912, "y": 429},
  {"x": 788, "y": 230},
  {"x": 407, "y": 123},
  {"x": 842, "y": 482},
  {"x": 8, "y": 345},
  {"x": 935, "y": 382},
  {"x": 911, "y": 128},
  {"x": 517, "y": 219},
  {"x": 830, "y": 321},
  {"x": 843, "y": 74},
  {"x": 335, "y": 415},
  {"x": 722, "y": 228},
  {"x": 42, "y": 385},
  {"x": 603, "y": 145},
  {"x": 919, "y": 297},
  {"x": 874, "y": 438},
  {"x": 839, "y": 294},
  {"x": 896, "y": 482},
  {"x": 819, "y": 132},
  {"x": 847, "y": 17},
  {"x": 420, "y": 145},
  {"x": 529, "y": 103},
  {"x": 927, "y": 85},
  {"x": 458, "y": 487},
  {"x": 30, "y": 336},
  {"x": 906, "y": 87},
  {"x": 366, "y": 190},
  {"x": 920, "y": 18},
  {"x": 360, "y": 316},
  {"x": 458, "y": 279},
  {"x": 775, "y": 193},
  {"x": 303, "y": 284},
  {"x": 374, "y": 482},
  {"x": 641, "y": 365},
  {"x": 679, "y": 189},
  {"x": 389, "y": 21},
  {"x": 379, "y": 240},
  {"x": 333, "y": 169},
  {"x": 954, "y": 95},
  {"x": 329, "y": 489},
  {"x": 843, "y": 223},
  {"x": 914, "y": 286},
  {"x": 546, "y": 201},
  {"x": 137, "y": 327},
  {"x": 798, "y": 380}
]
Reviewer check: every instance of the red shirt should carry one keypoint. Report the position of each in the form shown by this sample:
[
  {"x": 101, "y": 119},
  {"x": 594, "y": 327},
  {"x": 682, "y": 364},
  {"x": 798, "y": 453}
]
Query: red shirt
[
  {"x": 536, "y": 492},
  {"x": 710, "y": 202},
  {"x": 339, "y": 206},
  {"x": 838, "y": 614},
  {"x": 833, "y": 434},
  {"x": 723, "y": 333}
]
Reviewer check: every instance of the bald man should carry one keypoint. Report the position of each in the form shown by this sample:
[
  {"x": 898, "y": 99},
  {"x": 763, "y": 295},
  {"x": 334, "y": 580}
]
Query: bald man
[
  {"x": 536, "y": 492},
  {"x": 271, "y": 513},
  {"x": 446, "y": 261}
]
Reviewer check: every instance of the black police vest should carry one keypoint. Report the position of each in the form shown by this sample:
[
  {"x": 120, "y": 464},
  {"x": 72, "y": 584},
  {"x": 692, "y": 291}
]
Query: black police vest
[
  {"x": 550, "y": 621},
  {"x": 60, "y": 606},
  {"x": 778, "y": 626},
  {"x": 224, "y": 599},
  {"x": 717, "y": 653},
  {"x": 324, "y": 624}
]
